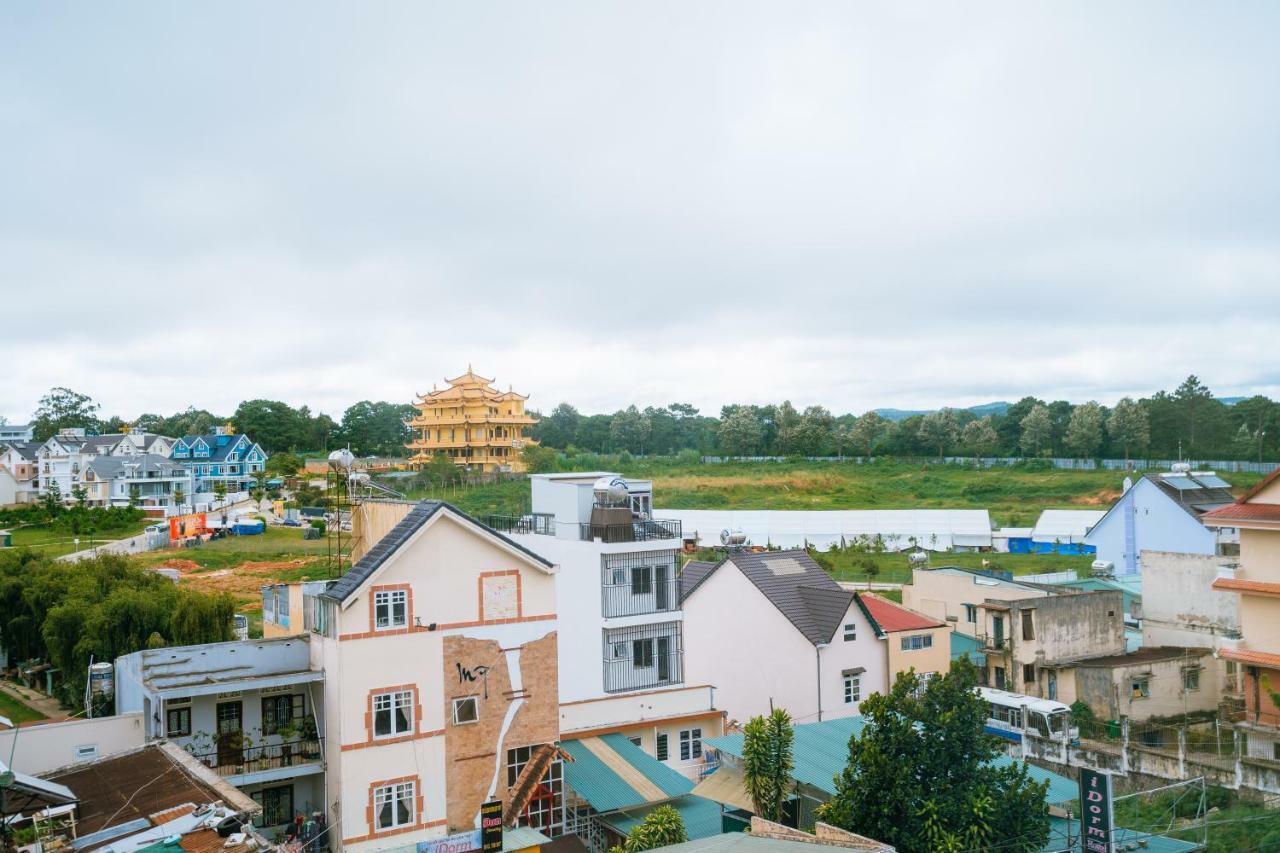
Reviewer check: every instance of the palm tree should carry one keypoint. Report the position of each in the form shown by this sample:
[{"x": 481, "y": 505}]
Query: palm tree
[{"x": 767, "y": 762}]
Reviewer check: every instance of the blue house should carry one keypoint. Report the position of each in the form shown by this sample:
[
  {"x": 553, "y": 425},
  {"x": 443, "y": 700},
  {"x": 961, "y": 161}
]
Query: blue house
[
  {"x": 1161, "y": 512},
  {"x": 221, "y": 457}
]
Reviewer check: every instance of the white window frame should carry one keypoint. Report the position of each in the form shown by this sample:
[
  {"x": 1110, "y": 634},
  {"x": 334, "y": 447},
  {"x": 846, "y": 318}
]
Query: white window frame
[
  {"x": 389, "y": 702},
  {"x": 462, "y": 702},
  {"x": 852, "y": 689},
  {"x": 387, "y": 598},
  {"x": 391, "y": 795},
  {"x": 851, "y": 632},
  {"x": 691, "y": 744}
]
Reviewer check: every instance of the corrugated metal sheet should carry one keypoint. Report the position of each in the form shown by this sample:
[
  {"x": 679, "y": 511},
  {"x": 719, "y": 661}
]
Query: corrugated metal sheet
[
  {"x": 606, "y": 791},
  {"x": 899, "y": 529},
  {"x": 1065, "y": 525},
  {"x": 702, "y": 818},
  {"x": 727, "y": 786}
]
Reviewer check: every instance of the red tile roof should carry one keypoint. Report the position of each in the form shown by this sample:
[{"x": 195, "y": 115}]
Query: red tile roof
[
  {"x": 894, "y": 617},
  {"x": 1245, "y": 512},
  {"x": 1266, "y": 659},
  {"x": 1242, "y": 585}
]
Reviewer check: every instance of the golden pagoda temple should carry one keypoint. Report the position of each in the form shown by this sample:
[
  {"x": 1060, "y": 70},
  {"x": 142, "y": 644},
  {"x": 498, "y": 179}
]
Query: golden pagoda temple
[{"x": 472, "y": 423}]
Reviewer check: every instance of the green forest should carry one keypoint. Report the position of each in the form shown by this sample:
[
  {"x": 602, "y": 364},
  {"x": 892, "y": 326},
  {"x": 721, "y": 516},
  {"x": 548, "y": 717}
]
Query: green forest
[{"x": 1185, "y": 422}]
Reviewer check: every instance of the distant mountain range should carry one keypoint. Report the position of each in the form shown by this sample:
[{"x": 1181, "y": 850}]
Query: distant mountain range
[{"x": 997, "y": 408}]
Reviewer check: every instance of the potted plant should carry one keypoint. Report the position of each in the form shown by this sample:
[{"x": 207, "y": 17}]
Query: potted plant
[{"x": 310, "y": 738}]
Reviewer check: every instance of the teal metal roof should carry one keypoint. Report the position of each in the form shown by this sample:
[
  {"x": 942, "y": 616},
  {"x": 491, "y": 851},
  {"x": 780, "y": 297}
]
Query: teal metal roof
[
  {"x": 1059, "y": 840},
  {"x": 821, "y": 752},
  {"x": 522, "y": 838},
  {"x": 702, "y": 817},
  {"x": 604, "y": 789}
]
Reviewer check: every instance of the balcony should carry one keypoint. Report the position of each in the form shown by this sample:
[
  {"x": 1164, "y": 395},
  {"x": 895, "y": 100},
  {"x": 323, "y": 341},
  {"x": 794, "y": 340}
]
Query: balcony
[
  {"x": 995, "y": 644},
  {"x": 639, "y": 582},
  {"x": 639, "y": 530},
  {"x": 250, "y": 765},
  {"x": 643, "y": 657},
  {"x": 544, "y": 525}
]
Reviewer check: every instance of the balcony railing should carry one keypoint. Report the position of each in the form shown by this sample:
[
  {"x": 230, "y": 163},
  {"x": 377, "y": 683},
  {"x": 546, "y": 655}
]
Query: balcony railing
[
  {"x": 541, "y": 524},
  {"x": 642, "y": 657},
  {"x": 231, "y": 761},
  {"x": 642, "y": 530},
  {"x": 995, "y": 644}
]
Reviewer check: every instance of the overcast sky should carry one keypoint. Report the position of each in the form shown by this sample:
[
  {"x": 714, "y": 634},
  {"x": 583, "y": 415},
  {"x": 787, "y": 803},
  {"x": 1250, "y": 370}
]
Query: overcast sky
[{"x": 855, "y": 204}]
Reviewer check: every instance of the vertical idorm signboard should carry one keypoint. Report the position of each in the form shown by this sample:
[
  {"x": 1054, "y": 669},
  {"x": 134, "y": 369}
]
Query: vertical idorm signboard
[
  {"x": 1096, "y": 816},
  {"x": 491, "y": 826}
]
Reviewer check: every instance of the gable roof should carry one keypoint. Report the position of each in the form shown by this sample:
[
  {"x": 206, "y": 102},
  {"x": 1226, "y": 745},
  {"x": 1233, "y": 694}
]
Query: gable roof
[
  {"x": 795, "y": 584},
  {"x": 382, "y": 550},
  {"x": 1195, "y": 493},
  {"x": 25, "y": 449},
  {"x": 693, "y": 574},
  {"x": 890, "y": 616},
  {"x": 218, "y": 447}
]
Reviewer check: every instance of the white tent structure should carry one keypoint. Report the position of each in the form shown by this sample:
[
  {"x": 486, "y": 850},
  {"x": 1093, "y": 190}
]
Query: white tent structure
[
  {"x": 898, "y": 529},
  {"x": 1065, "y": 526}
]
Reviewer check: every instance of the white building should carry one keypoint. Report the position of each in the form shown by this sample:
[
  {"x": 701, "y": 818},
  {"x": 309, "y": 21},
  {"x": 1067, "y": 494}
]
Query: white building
[
  {"x": 148, "y": 479},
  {"x": 252, "y": 711},
  {"x": 773, "y": 629},
  {"x": 1161, "y": 512},
  {"x": 64, "y": 459},
  {"x": 622, "y": 632},
  {"x": 1063, "y": 530},
  {"x": 20, "y": 460},
  {"x": 895, "y": 529},
  {"x": 16, "y": 432}
]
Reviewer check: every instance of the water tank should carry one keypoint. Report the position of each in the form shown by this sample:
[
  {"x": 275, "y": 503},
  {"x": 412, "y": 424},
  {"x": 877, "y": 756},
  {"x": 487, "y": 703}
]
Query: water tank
[
  {"x": 341, "y": 460},
  {"x": 1103, "y": 567},
  {"x": 1180, "y": 467},
  {"x": 918, "y": 559},
  {"x": 102, "y": 679},
  {"x": 610, "y": 491},
  {"x": 732, "y": 537}
]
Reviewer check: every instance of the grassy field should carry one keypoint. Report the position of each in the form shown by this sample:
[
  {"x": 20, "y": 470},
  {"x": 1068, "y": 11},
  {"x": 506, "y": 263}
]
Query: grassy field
[
  {"x": 56, "y": 543},
  {"x": 16, "y": 711},
  {"x": 1015, "y": 496},
  {"x": 893, "y": 568}
]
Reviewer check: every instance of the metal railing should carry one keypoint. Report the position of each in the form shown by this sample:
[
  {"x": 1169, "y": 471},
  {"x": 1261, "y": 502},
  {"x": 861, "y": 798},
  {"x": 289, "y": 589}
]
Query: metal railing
[
  {"x": 272, "y": 756},
  {"x": 643, "y": 656},
  {"x": 541, "y": 524},
  {"x": 640, "y": 530},
  {"x": 638, "y": 582},
  {"x": 995, "y": 644}
]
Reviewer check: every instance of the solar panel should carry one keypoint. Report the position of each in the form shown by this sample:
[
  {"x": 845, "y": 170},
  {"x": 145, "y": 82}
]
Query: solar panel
[
  {"x": 1213, "y": 481},
  {"x": 1182, "y": 482}
]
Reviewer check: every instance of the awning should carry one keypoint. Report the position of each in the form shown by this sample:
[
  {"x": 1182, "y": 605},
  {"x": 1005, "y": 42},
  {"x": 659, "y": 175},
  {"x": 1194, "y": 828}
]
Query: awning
[
  {"x": 727, "y": 786},
  {"x": 611, "y": 773}
]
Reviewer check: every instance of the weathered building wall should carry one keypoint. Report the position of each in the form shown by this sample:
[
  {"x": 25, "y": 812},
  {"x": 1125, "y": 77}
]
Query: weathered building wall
[{"x": 1179, "y": 604}]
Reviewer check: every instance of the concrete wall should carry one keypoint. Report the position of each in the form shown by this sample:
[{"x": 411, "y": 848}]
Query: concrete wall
[
  {"x": 48, "y": 746},
  {"x": 738, "y": 640},
  {"x": 1065, "y": 628},
  {"x": 943, "y": 595},
  {"x": 372, "y": 520},
  {"x": 1179, "y": 605},
  {"x": 935, "y": 659},
  {"x": 1159, "y": 525},
  {"x": 1108, "y": 690}
]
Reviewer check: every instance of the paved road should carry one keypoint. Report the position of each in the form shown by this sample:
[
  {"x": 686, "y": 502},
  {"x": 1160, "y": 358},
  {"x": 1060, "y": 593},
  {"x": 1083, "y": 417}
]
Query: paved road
[{"x": 132, "y": 545}]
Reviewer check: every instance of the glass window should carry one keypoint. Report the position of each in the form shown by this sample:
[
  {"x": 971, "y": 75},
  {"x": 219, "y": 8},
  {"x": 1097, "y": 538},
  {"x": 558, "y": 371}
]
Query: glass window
[
  {"x": 1141, "y": 688},
  {"x": 392, "y": 713},
  {"x": 465, "y": 710},
  {"x": 1191, "y": 678},
  {"x": 393, "y": 805},
  {"x": 852, "y": 689},
  {"x": 634, "y": 740},
  {"x": 277, "y": 805},
  {"x": 690, "y": 744},
  {"x": 641, "y": 580},
  {"x": 1029, "y": 673},
  {"x": 850, "y": 633},
  {"x": 391, "y": 608},
  {"x": 660, "y": 747},
  {"x": 642, "y": 653},
  {"x": 280, "y": 710},
  {"x": 1028, "y": 625},
  {"x": 178, "y": 722},
  {"x": 919, "y": 641},
  {"x": 971, "y": 613}
]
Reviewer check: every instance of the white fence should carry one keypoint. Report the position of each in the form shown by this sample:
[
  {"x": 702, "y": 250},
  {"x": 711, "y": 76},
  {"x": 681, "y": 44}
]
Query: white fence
[{"x": 1223, "y": 465}]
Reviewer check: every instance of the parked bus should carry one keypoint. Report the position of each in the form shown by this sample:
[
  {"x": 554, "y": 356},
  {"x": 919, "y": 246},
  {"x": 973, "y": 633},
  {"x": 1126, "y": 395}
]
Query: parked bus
[{"x": 1046, "y": 719}]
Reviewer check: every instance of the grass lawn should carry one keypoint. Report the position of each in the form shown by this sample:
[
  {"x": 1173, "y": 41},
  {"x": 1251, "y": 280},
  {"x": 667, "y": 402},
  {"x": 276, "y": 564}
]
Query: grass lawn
[
  {"x": 1015, "y": 496},
  {"x": 893, "y": 568},
  {"x": 17, "y": 711},
  {"x": 59, "y": 542}
]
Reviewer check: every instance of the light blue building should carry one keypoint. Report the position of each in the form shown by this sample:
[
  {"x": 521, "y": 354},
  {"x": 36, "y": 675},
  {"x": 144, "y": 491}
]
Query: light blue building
[
  {"x": 1161, "y": 512},
  {"x": 221, "y": 457}
]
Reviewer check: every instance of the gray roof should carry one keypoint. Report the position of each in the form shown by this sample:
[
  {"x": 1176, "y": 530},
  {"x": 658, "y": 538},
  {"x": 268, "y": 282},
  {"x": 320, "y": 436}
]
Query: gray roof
[
  {"x": 1194, "y": 500},
  {"x": 108, "y": 467},
  {"x": 694, "y": 573},
  {"x": 422, "y": 512},
  {"x": 26, "y": 449},
  {"x": 795, "y": 584}
]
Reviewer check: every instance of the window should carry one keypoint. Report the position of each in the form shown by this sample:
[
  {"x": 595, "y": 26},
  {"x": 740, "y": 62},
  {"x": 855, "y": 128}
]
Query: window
[
  {"x": 619, "y": 651},
  {"x": 86, "y": 752},
  {"x": 392, "y": 713},
  {"x": 690, "y": 744},
  {"x": 391, "y": 609},
  {"x": 1028, "y": 626},
  {"x": 919, "y": 641},
  {"x": 641, "y": 580},
  {"x": 1029, "y": 673},
  {"x": 465, "y": 710},
  {"x": 635, "y": 740},
  {"x": 1191, "y": 678},
  {"x": 1140, "y": 687},
  {"x": 393, "y": 805},
  {"x": 279, "y": 711},
  {"x": 1000, "y": 678},
  {"x": 850, "y": 633},
  {"x": 642, "y": 653},
  {"x": 971, "y": 614},
  {"x": 545, "y": 811},
  {"x": 852, "y": 689},
  {"x": 277, "y": 805},
  {"x": 660, "y": 747},
  {"x": 178, "y": 722}
]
